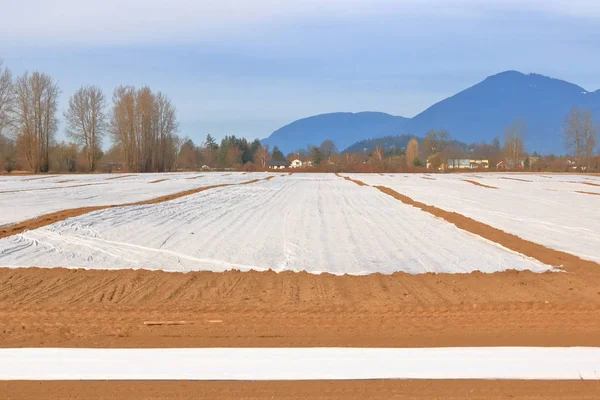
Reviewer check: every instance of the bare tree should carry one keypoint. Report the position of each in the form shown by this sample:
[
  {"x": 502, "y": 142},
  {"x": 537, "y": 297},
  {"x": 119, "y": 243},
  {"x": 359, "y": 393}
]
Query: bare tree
[
  {"x": 513, "y": 142},
  {"x": 436, "y": 141},
  {"x": 143, "y": 127},
  {"x": 412, "y": 152},
  {"x": 6, "y": 96},
  {"x": 86, "y": 121},
  {"x": 167, "y": 127},
  {"x": 328, "y": 148},
  {"x": 580, "y": 135},
  {"x": 261, "y": 156},
  {"x": 35, "y": 108}
]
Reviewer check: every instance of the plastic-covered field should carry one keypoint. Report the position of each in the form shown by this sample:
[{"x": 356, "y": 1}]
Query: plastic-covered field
[
  {"x": 29, "y": 196},
  {"x": 302, "y": 222},
  {"x": 559, "y": 211}
]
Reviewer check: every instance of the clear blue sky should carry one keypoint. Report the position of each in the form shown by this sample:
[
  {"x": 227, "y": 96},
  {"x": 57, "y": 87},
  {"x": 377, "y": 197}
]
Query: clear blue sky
[{"x": 248, "y": 67}]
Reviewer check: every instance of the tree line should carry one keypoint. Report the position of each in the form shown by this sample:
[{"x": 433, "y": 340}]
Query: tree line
[{"x": 142, "y": 125}]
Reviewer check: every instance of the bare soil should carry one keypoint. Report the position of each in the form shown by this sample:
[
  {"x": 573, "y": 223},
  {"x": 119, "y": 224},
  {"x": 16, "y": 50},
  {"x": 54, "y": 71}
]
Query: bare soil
[
  {"x": 39, "y": 177},
  {"x": 159, "y": 181},
  {"x": 516, "y": 179},
  {"x": 479, "y": 184},
  {"x": 78, "y": 308},
  {"x": 323, "y": 390},
  {"x": 592, "y": 193},
  {"x": 119, "y": 176}
]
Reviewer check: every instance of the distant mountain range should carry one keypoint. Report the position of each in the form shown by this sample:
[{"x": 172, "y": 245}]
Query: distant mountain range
[
  {"x": 476, "y": 114},
  {"x": 343, "y": 128}
]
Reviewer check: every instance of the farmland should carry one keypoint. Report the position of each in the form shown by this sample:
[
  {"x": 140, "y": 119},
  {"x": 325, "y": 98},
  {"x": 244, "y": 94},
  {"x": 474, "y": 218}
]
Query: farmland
[{"x": 300, "y": 260}]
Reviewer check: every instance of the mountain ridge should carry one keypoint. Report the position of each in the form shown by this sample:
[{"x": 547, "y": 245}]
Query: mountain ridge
[{"x": 478, "y": 113}]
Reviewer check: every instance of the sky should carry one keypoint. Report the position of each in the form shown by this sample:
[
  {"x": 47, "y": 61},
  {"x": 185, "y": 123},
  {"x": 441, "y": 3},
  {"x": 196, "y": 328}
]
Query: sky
[{"x": 248, "y": 67}]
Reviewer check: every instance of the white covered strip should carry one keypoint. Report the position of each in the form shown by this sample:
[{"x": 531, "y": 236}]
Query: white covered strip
[
  {"x": 551, "y": 211},
  {"x": 304, "y": 222},
  {"x": 300, "y": 364}
]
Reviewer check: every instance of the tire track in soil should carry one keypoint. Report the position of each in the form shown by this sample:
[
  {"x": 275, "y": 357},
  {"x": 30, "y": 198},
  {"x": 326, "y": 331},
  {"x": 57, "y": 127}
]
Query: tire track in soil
[{"x": 261, "y": 309}]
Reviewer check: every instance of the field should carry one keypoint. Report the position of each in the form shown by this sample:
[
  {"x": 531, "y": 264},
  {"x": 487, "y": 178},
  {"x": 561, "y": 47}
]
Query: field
[{"x": 302, "y": 260}]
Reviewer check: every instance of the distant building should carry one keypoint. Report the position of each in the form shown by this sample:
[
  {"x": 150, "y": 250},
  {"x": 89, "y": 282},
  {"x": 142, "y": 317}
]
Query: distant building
[
  {"x": 296, "y": 163},
  {"x": 504, "y": 164},
  {"x": 279, "y": 164},
  {"x": 467, "y": 163}
]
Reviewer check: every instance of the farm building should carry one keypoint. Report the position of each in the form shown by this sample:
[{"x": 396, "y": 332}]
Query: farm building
[
  {"x": 466, "y": 163},
  {"x": 296, "y": 163},
  {"x": 509, "y": 164},
  {"x": 279, "y": 164}
]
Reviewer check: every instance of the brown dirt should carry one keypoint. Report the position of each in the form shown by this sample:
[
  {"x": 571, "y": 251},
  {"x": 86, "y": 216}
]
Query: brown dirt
[
  {"x": 51, "y": 218},
  {"x": 479, "y": 184},
  {"x": 66, "y": 180},
  {"x": 544, "y": 254},
  {"x": 429, "y": 179},
  {"x": 195, "y": 177},
  {"x": 159, "y": 181},
  {"x": 359, "y": 183},
  {"x": 52, "y": 188},
  {"x": 516, "y": 179},
  {"x": 112, "y": 178},
  {"x": 590, "y": 184},
  {"x": 40, "y": 177},
  {"x": 592, "y": 193},
  {"x": 77, "y": 308},
  {"x": 323, "y": 390}
]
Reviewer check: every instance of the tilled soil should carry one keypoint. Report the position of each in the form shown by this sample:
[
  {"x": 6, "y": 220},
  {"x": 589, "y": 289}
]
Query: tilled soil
[
  {"x": 78, "y": 308},
  {"x": 323, "y": 390}
]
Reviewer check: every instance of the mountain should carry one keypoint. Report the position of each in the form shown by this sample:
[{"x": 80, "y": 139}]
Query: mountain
[
  {"x": 343, "y": 128},
  {"x": 476, "y": 114},
  {"x": 486, "y": 109}
]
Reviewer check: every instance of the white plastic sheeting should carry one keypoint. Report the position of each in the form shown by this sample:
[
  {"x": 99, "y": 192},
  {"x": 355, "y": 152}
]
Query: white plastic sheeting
[
  {"x": 545, "y": 209},
  {"x": 304, "y": 222},
  {"x": 300, "y": 363},
  {"x": 26, "y": 197}
]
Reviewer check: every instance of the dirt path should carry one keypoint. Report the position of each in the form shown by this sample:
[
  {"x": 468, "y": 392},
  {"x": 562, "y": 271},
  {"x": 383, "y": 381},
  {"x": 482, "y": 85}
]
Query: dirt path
[
  {"x": 51, "y": 218},
  {"x": 324, "y": 390},
  {"x": 78, "y": 308}
]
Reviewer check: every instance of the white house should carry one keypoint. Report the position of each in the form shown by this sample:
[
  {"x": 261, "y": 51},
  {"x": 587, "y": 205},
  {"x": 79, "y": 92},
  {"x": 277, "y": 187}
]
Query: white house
[
  {"x": 296, "y": 163},
  {"x": 279, "y": 164}
]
